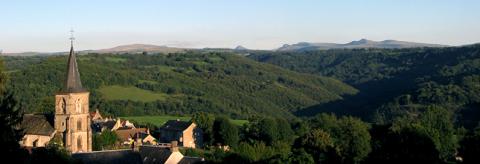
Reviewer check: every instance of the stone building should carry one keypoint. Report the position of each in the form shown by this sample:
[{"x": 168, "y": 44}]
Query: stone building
[
  {"x": 186, "y": 133},
  {"x": 38, "y": 130},
  {"x": 71, "y": 121},
  {"x": 137, "y": 135},
  {"x": 96, "y": 116},
  {"x": 72, "y": 116}
]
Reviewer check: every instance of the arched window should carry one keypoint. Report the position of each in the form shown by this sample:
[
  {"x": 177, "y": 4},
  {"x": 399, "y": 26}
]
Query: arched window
[
  {"x": 63, "y": 106},
  {"x": 78, "y": 106},
  {"x": 79, "y": 125}
]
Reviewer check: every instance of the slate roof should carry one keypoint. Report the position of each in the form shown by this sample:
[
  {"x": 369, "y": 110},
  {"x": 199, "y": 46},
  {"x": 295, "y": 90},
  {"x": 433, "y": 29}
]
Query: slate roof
[
  {"x": 145, "y": 155},
  {"x": 35, "y": 124},
  {"x": 191, "y": 160},
  {"x": 97, "y": 127},
  {"x": 154, "y": 154},
  {"x": 109, "y": 157},
  {"x": 176, "y": 125},
  {"x": 72, "y": 81},
  {"x": 124, "y": 134}
]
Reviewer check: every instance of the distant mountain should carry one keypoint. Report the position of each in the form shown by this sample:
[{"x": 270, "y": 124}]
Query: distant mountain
[
  {"x": 139, "y": 48},
  {"x": 240, "y": 48},
  {"x": 363, "y": 43},
  {"x": 131, "y": 48},
  {"x": 33, "y": 53}
]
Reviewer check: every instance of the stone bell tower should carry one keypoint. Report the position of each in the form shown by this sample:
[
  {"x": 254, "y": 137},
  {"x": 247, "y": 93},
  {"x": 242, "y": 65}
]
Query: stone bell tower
[{"x": 72, "y": 118}]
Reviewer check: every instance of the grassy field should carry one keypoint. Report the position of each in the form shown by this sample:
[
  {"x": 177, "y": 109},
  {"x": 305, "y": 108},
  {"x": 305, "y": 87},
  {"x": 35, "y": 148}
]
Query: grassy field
[
  {"x": 160, "y": 120},
  {"x": 116, "y": 92}
]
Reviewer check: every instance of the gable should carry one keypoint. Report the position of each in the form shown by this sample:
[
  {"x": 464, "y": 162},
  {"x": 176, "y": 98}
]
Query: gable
[{"x": 37, "y": 125}]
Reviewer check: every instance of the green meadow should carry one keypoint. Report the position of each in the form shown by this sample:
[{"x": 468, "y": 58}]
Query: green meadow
[
  {"x": 160, "y": 120},
  {"x": 116, "y": 92}
]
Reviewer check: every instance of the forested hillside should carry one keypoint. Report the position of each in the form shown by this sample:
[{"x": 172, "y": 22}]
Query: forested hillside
[
  {"x": 183, "y": 83},
  {"x": 393, "y": 82}
]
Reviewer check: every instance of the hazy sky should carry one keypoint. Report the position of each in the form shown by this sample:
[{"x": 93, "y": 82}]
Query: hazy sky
[{"x": 258, "y": 24}]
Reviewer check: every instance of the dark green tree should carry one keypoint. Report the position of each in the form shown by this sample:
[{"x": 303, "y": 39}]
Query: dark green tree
[
  {"x": 301, "y": 156},
  {"x": 10, "y": 119},
  {"x": 318, "y": 144},
  {"x": 52, "y": 153},
  {"x": 225, "y": 132},
  {"x": 470, "y": 147},
  {"x": 350, "y": 136},
  {"x": 438, "y": 124},
  {"x": 407, "y": 145},
  {"x": 205, "y": 122},
  {"x": 105, "y": 141}
]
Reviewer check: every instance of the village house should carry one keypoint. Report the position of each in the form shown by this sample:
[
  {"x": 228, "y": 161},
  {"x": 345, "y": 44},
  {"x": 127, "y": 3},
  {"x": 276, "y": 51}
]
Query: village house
[
  {"x": 38, "y": 131},
  {"x": 110, "y": 124},
  {"x": 125, "y": 124},
  {"x": 185, "y": 132},
  {"x": 96, "y": 116},
  {"x": 136, "y": 136},
  {"x": 73, "y": 124}
]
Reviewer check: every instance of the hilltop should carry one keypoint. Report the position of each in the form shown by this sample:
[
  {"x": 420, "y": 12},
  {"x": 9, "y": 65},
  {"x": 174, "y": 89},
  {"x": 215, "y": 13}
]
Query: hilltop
[
  {"x": 363, "y": 43},
  {"x": 139, "y": 48}
]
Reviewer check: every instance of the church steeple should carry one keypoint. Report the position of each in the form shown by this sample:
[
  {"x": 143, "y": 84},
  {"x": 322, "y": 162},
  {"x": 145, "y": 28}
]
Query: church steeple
[{"x": 72, "y": 81}]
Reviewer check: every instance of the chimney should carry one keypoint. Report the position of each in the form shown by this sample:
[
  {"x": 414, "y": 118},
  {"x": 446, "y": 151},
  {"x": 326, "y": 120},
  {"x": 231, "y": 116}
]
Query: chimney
[{"x": 174, "y": 146}]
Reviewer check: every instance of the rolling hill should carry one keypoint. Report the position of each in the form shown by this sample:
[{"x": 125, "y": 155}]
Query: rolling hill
[
  {"x": 139, "y": 48},
  {"x": 181, "y": 83},
  {"x": 393, "y": 82}
]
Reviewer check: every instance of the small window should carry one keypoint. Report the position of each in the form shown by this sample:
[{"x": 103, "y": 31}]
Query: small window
[
  {"x": 78, "y": 106},
  {"x": 63, "y": 106},
  {"x": 79, "y": 125}
]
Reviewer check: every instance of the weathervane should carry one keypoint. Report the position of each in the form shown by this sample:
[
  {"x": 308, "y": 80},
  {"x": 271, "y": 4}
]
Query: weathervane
[{"x": 71, "y": 37}]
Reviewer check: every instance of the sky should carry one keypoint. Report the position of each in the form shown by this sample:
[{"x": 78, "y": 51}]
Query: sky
[{"x": 43, "y": 26}]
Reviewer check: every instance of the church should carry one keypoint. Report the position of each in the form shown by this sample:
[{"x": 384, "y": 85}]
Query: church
[
  {"x": 71, "y": 126},
  {"x": 71, "y": 122}
]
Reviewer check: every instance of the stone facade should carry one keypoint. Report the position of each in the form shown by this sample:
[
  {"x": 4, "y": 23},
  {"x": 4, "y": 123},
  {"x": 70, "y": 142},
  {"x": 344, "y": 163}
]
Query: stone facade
[
  {"x": 187, "y": 134},
  {"x": 30, "y": 140},
  {"x": 72, "y": 121}
]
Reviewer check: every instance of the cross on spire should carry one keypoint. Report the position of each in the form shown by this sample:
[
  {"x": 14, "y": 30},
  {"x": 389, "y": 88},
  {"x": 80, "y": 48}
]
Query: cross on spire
[
  {"x": 71, "y": 37},
  {"x": 72, "y": 81}
]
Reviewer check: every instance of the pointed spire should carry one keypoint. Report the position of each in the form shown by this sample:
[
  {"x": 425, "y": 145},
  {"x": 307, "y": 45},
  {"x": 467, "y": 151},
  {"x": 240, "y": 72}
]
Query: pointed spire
[{"x": 72, "y": 81}]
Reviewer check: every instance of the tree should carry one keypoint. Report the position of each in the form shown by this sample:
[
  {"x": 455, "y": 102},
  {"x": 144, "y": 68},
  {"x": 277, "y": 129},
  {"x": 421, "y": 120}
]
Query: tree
[
  {"x": 52, "y": 153},
  {"x": 352, "y": 140},
  {"x": 254, "y": 152},
  {"x": 10, "y": 119},
  {"x": 316, "y": 143},
  {"x": 300, "y": 156},
  {"x": 205, "y": 122},
  {"x": 350, "y": 136},
  {"x": 284, "y": 129},
  {"x": 225, "y": 132},
  {"x": 106, "y": 140},
  {"x": 269, "y": 130},
  {"x": 438, "y": 124},
  {"x": 407, "y": 145},
  {"x": 470, "y": 147}
]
